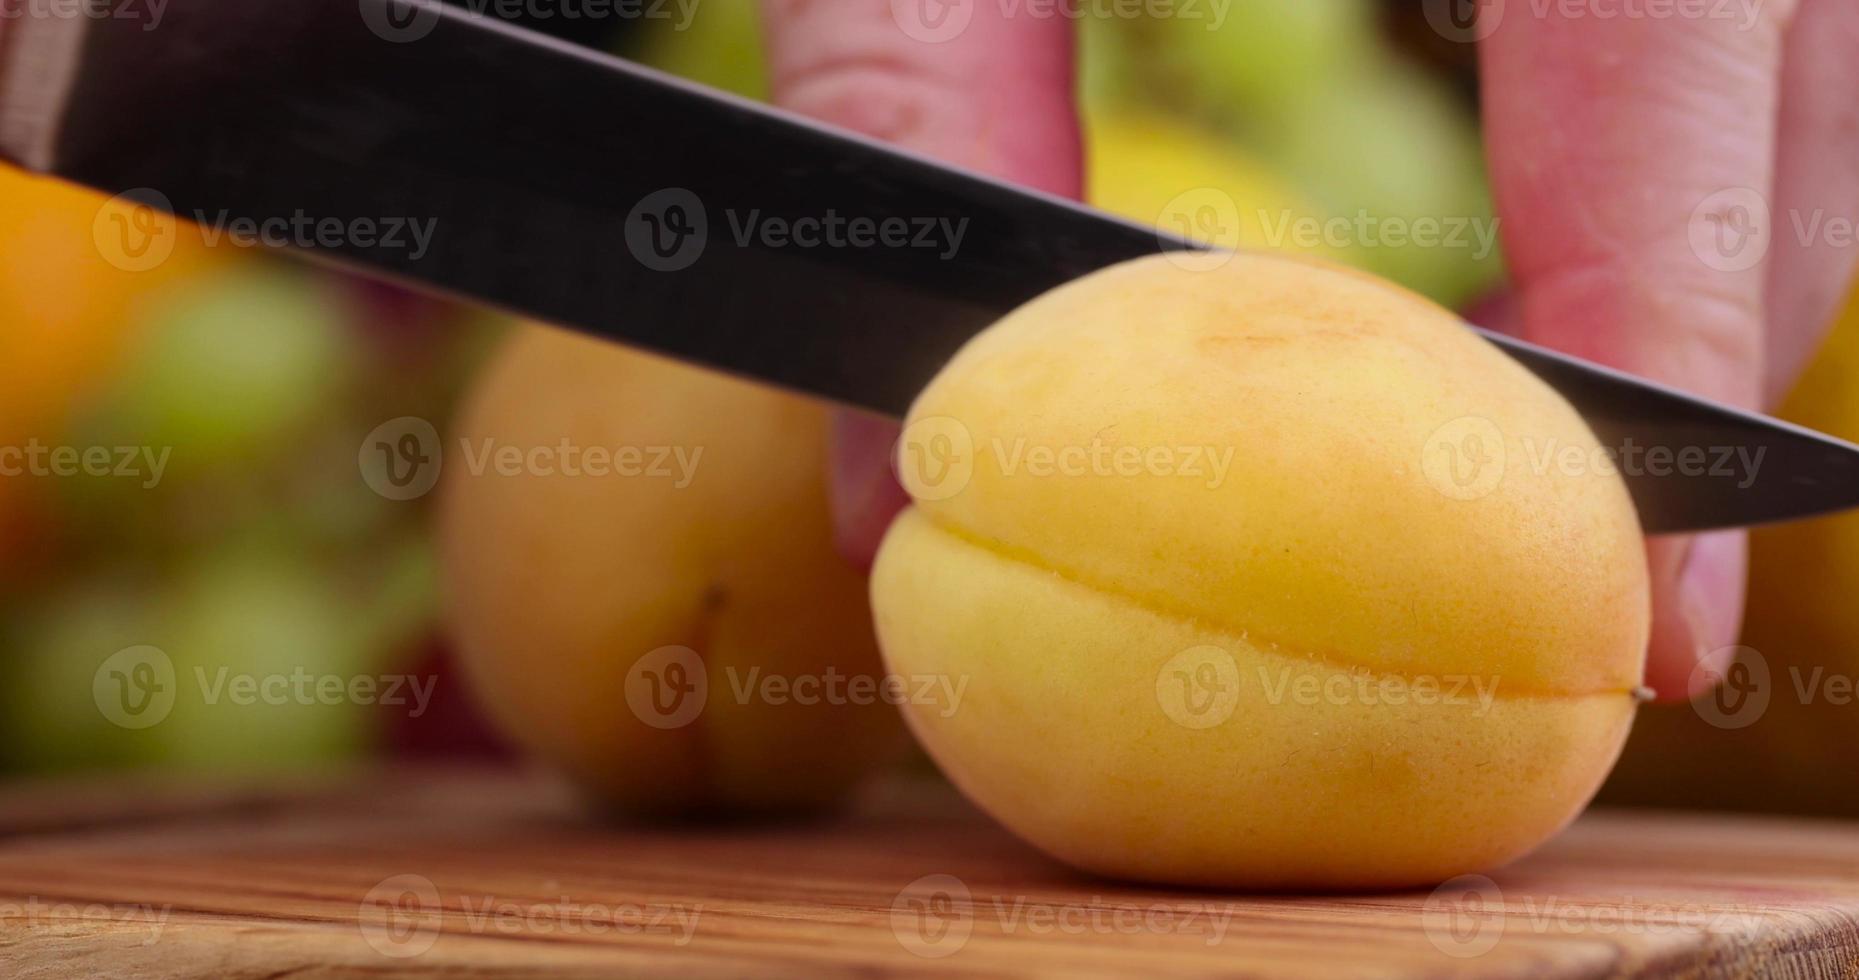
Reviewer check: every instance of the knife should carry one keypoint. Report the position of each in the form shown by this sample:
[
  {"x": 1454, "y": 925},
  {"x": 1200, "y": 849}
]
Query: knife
[{"x": 648, "y": 220}]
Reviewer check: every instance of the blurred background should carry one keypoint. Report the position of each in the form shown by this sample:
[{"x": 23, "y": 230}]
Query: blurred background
[{"x": 243, "y": 540}]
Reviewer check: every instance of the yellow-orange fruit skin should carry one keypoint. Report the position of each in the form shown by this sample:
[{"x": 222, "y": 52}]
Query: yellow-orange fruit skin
[
  {"x": 560, "y": 584},
  {"x": 1427, "y": 669}
]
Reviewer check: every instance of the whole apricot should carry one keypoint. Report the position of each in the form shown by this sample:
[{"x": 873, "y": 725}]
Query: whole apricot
[
  {"x": 1261, "y": 572},
  {"x": 643, "y": 583}
]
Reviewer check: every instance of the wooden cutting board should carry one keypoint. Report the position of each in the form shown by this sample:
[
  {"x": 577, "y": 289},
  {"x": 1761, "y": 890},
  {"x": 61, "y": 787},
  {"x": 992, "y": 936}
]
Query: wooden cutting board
[{"x": 488, "y": 874}]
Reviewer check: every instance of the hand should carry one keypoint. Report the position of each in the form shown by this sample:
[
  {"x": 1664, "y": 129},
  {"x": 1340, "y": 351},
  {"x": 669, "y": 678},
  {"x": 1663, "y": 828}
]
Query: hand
[
  {"x": 1610, "y": 141},
  {"x": 1608, "y": 138}
]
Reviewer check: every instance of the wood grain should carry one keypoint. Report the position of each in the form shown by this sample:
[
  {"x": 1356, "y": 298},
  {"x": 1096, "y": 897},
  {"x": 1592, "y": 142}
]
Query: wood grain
[{"x": 490, "y": 874}]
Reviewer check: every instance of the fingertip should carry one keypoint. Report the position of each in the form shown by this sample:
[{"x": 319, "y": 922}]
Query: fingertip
[
  {"x": 863, "y": 490},
  {"x": 1697, "y": 592}
]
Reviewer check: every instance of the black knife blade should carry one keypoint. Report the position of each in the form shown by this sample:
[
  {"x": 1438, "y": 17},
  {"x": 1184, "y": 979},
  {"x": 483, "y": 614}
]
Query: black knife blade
[{"x": 651, "y": 224}]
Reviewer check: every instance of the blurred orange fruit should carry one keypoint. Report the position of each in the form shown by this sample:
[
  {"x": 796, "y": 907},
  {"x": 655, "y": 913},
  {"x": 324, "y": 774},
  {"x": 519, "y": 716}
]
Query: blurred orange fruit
[
  {"x": 66, "y": 299},
  {"x": 69, "y": 298}
]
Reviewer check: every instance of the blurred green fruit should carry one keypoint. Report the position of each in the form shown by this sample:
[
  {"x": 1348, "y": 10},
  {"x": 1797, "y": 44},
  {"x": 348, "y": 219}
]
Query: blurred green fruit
[
  {"x": 51, "y": 719},
  {"x": 265, "y": 656},
  {"x": 1388, "y": 150},
  {"x": 232, "y": 369},
  {"x": 1393, "y": 152},
  {"x": 1248, "y": 58},
  {"x": 721, "y": 46},
  {"x": 250, "y": 661},
  {"x": 1109, "y": 67}
]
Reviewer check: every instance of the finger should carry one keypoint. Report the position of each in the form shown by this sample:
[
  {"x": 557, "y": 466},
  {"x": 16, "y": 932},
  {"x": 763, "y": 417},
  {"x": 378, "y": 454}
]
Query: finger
[
  {"x": 1612, "y": 142},
  {"x": 1813, "y": 255},
  {"x": 865, "y": 491},
  {"x": 995, "y": 95}
]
